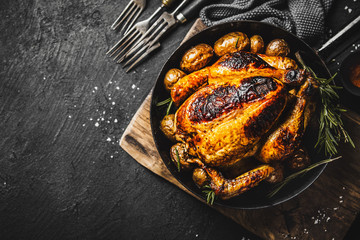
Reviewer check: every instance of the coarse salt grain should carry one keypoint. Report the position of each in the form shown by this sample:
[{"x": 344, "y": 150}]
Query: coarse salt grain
[
  {"x": 108, "y": 139},
  {"x": 133, "y": 86},
  {"x": 97, "y": 124}
]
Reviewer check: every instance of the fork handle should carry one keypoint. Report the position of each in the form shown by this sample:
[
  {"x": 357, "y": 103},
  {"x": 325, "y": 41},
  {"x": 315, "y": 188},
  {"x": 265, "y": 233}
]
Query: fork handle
[
  {"x": 168, "y": 3},
  {"x": 192, "y": 10}
]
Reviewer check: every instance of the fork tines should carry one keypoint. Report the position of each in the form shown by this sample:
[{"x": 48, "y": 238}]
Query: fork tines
[{"x": 129, "y": 15}]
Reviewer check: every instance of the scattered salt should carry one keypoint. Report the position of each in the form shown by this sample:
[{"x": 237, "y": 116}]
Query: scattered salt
[
  {"x": 117, "y": 88},
  {"x": 133, "y": 86},
  {"x": 96, "y": 88},
  {"x": 97, "y": 124},
  {"x": 69, "y": 116},
  {"x": 108, "y": 139},
  {"x": 113, "y": 103},
  {"x": 115, "y": 121}
]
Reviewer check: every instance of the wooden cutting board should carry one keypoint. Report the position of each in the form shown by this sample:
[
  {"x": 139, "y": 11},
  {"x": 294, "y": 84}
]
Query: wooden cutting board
[{"x": 325, "y": 210}]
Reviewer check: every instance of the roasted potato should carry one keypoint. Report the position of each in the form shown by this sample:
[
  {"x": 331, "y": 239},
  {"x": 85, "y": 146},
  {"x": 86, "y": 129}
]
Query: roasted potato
[
  {"x": 277, "y": 175},
  {"x": 172, "y": 77},
  {"x": 196, "y": 57},
  {"x": 256, "y": 44},
  {"x": 231, "y": 42},
  {"x": 167, "y": 126},
  {"x": 179, "y": 155},
  {"x": 200, "y": 177},
  {"x": 277, "y": 47}
]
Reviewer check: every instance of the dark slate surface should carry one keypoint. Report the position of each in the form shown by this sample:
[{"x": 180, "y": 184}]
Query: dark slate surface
[{"x": 63, "y": 108}]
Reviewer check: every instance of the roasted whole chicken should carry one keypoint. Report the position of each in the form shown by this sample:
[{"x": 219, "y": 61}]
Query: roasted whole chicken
[{"x": 246, "y": 107}]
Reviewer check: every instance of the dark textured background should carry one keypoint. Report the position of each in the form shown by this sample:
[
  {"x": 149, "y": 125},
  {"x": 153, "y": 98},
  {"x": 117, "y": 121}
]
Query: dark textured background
[{"x": 63, "y": 108}]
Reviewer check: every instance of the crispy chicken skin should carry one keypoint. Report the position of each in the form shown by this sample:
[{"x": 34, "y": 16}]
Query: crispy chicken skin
[
  {"x": 232, "y": 111},
  {"x": 228, "y": 188},
  {"x": 286, "y": 139},
  {"x": 224, "y": 122},
  {"x": 229, "y": 67}
]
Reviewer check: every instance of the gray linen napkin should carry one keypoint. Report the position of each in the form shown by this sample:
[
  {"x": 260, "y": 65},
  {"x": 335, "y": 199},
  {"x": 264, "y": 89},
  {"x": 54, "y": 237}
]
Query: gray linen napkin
[{"x": 305, "y": 18}]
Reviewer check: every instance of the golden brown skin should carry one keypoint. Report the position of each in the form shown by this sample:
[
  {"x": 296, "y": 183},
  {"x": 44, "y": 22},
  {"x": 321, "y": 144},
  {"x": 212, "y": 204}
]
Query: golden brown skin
[
  {"x": 256, "y": 44},
  {"x": 231, "y": 66},
  {"x": 279, "y": 62},
  {"x": 188, "y": 85},
  {"x": 226, "y": 121},
  {"x": 285, "y": 140},
  {"x": 230, "y": 114},
  {"x": 172, "y": 77},
  {"x": 277, "y": 47},
  {"x": 196, "y": 57},
  {"x": 231, "y": 42},
  {"x": 228, "y": 188},
  {"x": 167, "y": 126}
]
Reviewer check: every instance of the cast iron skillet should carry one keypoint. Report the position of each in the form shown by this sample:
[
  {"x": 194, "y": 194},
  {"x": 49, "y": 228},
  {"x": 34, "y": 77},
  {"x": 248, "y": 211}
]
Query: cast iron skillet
[{"x": 256, "y": 197}]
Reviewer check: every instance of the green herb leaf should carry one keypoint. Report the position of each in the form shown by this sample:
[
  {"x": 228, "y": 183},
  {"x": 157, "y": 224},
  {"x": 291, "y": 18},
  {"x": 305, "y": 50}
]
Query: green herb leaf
[
  {"x": 294, "y": 175},
  {"x": 331, "y": 130},
  {"x": 169, "y": 108},
  {"x": 159, "y": 104},
  {"x": 209, "y": 194},
  {"x": 178, "y": 159}
]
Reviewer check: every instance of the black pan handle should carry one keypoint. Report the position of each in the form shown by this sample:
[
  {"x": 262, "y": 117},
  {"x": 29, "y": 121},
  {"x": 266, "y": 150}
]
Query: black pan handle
[
  {"x": 192, "y": 10},
  {"x": 327, "y": 46}
]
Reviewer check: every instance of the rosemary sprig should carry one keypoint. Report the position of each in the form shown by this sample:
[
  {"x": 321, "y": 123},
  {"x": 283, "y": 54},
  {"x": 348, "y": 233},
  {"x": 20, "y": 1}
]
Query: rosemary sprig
[
  {"x": 294, "y": 175},
  {"x": 159, "y": 104},
  {"x": 166, "y": 101},
  {"x": 331, "y": 127},
  {"x": 178, "y": 159},
  {"x": 169, "y": 108},
  {"x": 210, "y": 194}
]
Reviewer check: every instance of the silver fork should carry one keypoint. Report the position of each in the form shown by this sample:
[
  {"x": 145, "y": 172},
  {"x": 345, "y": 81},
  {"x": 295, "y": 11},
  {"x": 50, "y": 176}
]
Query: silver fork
[
  {"x": 136, "y": 32},
  {"x": 162, "y": 24},
  {"x": 131, "y": 12}
]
